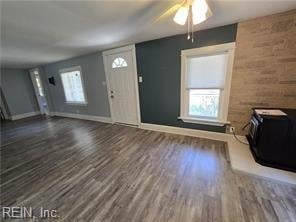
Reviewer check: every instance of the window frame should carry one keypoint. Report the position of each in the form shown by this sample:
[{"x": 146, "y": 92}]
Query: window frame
[
  {"x": 229, "y": 49},
  {"x": 72, "y": 69}
]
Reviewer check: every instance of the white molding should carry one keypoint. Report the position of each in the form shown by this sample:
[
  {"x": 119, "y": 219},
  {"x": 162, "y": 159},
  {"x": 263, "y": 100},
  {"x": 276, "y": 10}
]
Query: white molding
[
  {"x": 84, "y": 117},
  {"x": 208, "y": 49},
  {"x": 71, "y": 69},
  {"x": 225, "y": 137},
  {"x": 186, "y": 132},
  {"x": 211, "y": 122},
  {"x": 229, "y": 48},
  {"x": 36, "y": 91},
  {"x": 108, "y": 86},
  {"x": 76, "y": 103},
  {"x": 52, "y": 113},
  {"x": 25, "y": 115},
  {"x": 136, "y": 83}
]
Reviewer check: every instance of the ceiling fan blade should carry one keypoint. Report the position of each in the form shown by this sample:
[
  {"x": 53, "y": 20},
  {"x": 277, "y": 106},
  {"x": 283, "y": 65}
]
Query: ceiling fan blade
[{"x": 170, "y": 11}]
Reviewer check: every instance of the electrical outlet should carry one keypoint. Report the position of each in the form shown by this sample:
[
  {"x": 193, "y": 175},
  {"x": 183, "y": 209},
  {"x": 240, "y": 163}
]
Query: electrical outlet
[{"x": 231, "y": 129}]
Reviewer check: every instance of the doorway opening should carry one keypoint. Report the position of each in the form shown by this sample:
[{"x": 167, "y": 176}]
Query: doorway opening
[{"x": 39, "y": 91}]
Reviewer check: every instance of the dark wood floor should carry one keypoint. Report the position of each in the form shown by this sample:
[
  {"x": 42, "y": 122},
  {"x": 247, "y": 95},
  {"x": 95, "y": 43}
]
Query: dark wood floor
[{"x": 90, "y": 171}]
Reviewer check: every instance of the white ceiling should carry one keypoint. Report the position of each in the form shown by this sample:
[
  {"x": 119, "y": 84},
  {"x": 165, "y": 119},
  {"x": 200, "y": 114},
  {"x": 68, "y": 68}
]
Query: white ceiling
[{"x": 40, "y": 32}]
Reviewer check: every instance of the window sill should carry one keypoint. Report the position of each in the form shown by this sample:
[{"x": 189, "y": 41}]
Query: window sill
[
  {"x": 203, "y": 121},
  {"x": 76, "y": 104}
]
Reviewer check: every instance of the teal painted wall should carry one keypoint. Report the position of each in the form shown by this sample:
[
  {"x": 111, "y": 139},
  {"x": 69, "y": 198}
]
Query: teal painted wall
[{"x": 159, "y": 63}]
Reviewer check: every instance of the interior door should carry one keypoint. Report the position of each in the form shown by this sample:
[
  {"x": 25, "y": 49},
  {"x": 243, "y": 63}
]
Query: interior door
[
  {"x": 38, "y": 88},
  {"x": 122, "y": 77}
]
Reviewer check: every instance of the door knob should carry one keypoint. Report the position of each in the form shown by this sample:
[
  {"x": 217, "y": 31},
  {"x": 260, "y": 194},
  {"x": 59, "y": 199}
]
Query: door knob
[{"x": 112, "y": 96}]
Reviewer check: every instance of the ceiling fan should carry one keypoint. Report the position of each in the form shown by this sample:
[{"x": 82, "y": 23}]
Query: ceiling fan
[{"x": 191, "y": 12}]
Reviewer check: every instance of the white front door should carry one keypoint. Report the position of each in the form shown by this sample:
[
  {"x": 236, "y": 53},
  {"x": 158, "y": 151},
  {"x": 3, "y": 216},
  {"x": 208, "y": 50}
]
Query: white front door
[
  {"x": 122, "y": 85},
  {"x": 39, "y": 92}
]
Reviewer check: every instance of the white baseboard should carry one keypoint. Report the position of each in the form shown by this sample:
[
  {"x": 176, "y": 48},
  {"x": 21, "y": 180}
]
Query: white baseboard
[
  {"x": 52, "y": 113},
  {"x": 186, "y": 131},
  {"x": 25, "y": 115},
  {"x": 81, "y": 116}
]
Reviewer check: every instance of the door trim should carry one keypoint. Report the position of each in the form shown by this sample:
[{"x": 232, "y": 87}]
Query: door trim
[
  {"x": 36, "y": 90},
  {"x": 131, "y": 48}
]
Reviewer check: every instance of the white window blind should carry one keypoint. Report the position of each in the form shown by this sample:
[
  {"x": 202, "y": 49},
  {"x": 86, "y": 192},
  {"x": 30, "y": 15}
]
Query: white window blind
[
  {"x": 73, "y": 87},
  {"x": 206, "y": 72}
]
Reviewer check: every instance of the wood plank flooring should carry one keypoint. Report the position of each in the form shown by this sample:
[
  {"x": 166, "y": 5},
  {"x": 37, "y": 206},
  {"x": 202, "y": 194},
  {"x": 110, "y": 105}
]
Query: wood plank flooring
[{"x": 90, "y": 171}]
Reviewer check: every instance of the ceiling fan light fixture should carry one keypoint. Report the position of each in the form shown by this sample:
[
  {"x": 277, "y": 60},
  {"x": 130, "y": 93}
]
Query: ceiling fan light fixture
[
  {"x": 198, "y": 18},
  {"x": 181, "y": 15},
  {"x": 193, "y": 12},
  {"x": 200, "y": 6},
  {"x": 200, "y": 11}
]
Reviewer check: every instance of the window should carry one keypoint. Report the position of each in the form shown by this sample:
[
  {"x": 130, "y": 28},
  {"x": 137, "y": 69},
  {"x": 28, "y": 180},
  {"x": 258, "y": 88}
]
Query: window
[
  {"x": 205, "y": 84},
  {"x": 118, "y": 63},
  {"x": 204, "y": 102},
  {"x": 72, "y": 84}
]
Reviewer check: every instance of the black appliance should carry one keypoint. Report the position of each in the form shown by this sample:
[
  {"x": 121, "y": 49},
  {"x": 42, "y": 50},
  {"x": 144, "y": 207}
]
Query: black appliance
[{"x": 272, "y": 139}]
